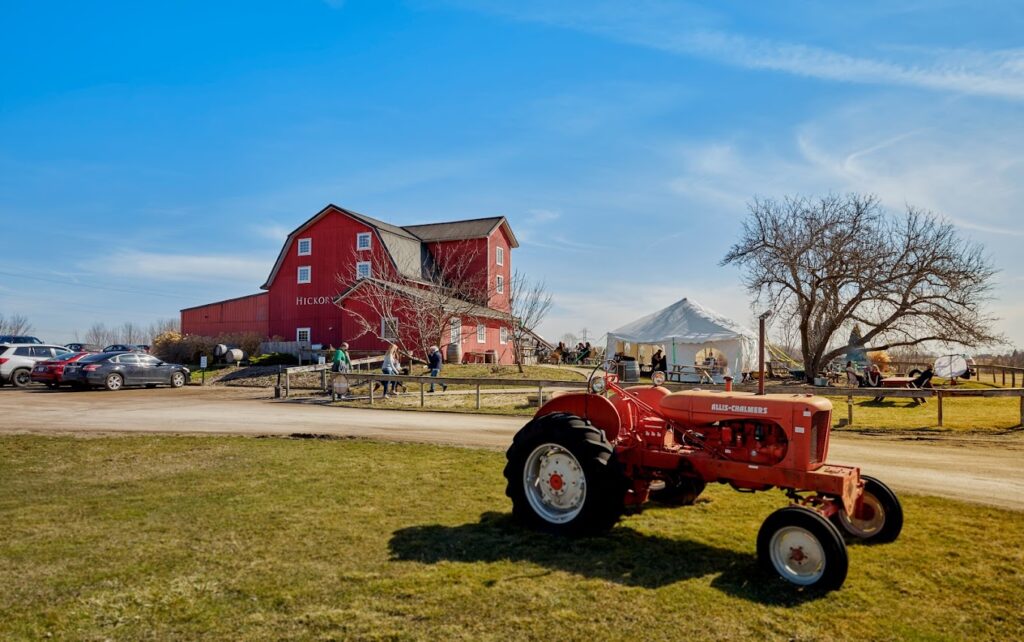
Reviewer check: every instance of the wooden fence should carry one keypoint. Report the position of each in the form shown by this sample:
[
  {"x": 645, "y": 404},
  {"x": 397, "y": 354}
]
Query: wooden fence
[{"x": 982, "y": 371}]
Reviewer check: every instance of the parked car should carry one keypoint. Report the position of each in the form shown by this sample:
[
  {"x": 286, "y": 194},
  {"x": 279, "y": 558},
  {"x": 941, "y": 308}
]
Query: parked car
[
  {"x": 125, "y": 347},
  {"x": 82, "y": 347},
  {"x": 115, "y": 370},
  {"x": 18, "y": 359},
  {"x": 10, "y": 338},
  {"x": 50, "y": 371}
]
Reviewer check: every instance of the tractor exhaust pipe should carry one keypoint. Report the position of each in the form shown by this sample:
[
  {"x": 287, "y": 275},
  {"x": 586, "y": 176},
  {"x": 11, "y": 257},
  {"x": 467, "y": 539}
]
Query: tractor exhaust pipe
[
  {"x": 760, "y": 350},
  {"x": 728, "y": 383}
]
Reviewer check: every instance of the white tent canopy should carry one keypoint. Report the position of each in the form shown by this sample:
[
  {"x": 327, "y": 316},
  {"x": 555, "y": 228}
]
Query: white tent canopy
[{"x": 684, "y": 330}]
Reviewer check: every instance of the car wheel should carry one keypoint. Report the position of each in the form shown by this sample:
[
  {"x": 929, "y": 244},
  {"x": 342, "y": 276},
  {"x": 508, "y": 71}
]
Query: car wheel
[
  {"x": 177, "y": 379},
  {"x": 114, "y": 381},
  {"x": 21, "y": 378}
]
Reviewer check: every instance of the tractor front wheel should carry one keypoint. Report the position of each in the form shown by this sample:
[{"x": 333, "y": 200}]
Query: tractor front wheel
[
  {"x": 563, "y": 477},
  {"x": 804, "y": 548},
  {"x": 878, "y": 520}
]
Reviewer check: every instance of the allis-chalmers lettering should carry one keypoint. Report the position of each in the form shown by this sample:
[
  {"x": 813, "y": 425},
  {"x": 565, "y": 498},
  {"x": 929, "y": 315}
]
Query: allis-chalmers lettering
[
  {"x": 725, "y": 407},
  {"x": 312, "y": 300}
]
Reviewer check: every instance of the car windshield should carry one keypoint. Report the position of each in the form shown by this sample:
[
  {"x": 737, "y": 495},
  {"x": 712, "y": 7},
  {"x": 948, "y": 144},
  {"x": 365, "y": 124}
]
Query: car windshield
[
  {"x": 93, "y": 358},
  {"x": 61, "y": 356}
]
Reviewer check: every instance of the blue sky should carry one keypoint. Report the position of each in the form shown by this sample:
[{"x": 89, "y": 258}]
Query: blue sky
[{"x": 154, "y": 155}]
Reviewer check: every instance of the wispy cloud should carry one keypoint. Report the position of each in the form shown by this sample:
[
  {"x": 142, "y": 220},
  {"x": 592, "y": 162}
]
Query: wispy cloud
[
  {"x": 167, "y": 267},
  {"x": 680, "y": 28}
]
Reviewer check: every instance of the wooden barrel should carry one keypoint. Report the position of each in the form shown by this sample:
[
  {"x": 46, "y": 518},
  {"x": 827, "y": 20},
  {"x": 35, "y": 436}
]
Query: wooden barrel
[
  {"x": 629, "y": 370},
  {"x": 234, "y": 355},
  {"x": 454, "y": 353}
]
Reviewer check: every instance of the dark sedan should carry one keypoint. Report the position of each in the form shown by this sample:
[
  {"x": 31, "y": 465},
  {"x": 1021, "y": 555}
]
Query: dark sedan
[{"x": 115, "y": 370}]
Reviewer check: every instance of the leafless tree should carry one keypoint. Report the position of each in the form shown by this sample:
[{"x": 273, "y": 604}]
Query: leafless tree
[
  {"x": 530, "y": 302},
  {"x": 100, "y": 335},
  {"x": 160, "y": 326},
  {"x": 837, "y": 260},
  {"x": 423, "y": 310},
  {"x": 15, "y": 324}
]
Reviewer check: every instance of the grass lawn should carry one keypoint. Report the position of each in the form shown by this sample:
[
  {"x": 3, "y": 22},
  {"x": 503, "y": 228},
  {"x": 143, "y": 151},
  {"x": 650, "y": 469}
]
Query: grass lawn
[
  {"x": 241, "y": 538},
  {"x": 964, "y": 414}
]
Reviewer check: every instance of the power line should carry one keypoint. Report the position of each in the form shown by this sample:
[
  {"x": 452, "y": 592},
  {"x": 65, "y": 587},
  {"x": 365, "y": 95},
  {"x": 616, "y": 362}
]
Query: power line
[{"x": 94, "y": 287}]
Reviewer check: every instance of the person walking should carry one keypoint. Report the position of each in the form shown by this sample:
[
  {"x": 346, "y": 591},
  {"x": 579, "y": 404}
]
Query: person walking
[
  {"x": 390, "y": 367},
  {"x": 340, "y": 361},
  {"x": 434, "y": 363}
]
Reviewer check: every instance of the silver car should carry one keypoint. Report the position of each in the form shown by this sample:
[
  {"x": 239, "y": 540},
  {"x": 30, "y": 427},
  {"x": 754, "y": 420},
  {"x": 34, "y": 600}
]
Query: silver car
[{"x": 18, "y": 359}]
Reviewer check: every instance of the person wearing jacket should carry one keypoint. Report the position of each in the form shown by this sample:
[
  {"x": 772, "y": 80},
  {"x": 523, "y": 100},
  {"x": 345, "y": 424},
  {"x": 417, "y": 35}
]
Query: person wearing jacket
[
  {"x": 434, "y": 363},
  {"x": 391, "y": 367},
  {"x": 340, "y": 362}
]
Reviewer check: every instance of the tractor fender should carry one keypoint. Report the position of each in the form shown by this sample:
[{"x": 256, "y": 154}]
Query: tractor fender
[{"x": 594, "y": 408}]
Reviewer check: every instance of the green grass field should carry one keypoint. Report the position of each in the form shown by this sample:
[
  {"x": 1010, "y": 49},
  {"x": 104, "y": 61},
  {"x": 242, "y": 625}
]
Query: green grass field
[{"x": 242, "y": 538}]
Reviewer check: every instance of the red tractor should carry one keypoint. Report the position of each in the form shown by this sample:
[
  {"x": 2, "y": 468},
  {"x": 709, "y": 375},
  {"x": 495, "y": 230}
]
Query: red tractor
[{"x": 585, "y": 457}]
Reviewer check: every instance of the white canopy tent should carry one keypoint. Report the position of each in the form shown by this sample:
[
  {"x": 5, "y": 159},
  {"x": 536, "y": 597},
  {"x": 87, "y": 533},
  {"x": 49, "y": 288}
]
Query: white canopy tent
[{"x": 684, "y": 330}]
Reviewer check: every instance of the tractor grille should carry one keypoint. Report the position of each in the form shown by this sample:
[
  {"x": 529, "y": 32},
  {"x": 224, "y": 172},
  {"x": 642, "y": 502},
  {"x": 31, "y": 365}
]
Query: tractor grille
[{"x": 819, "y": 436}]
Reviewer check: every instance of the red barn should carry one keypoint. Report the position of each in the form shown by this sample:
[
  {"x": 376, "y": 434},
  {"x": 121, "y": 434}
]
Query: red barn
[{"x": 313, "y": 291}]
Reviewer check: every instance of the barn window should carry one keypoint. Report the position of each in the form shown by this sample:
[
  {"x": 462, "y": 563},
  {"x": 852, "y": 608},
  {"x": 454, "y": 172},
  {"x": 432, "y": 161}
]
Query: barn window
[
  {"x": 501, "y": 284},
  {"x": 499, "y": 255},
  {"x": 389, "y": 328},
  {"x": 305, "y": 274},
  {"x": 305, "y": 247},
  {"x": 455, "y": 331},
  {"x": 503, "y": 335},
  {"x": 363, "y": 241},
  {"x": 302, "y": 335},
  {"x": 363, "y": 270},
  {"x": 481, "y": 333}
]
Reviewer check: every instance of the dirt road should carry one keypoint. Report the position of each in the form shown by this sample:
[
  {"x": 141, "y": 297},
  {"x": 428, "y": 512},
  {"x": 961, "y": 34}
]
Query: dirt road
[{"x": 986, "y": 470}]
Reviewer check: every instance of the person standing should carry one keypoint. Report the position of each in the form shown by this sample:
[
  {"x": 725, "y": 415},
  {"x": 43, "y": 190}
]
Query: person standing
[
  {"x": 434, "y": 363},
  {"x": 340, "y": 362},
  {"x": 390, "y": 367}
]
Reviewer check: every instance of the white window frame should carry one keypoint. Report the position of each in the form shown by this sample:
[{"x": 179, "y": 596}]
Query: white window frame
[
  {"x": 481, "y": 333},
  {"x": 384, "y": 325},
  {"x": 309, "y": 274},
  {"x": 499, "y": 255},
  {"x": 309, "y": 335},
  {"x": 503, "y": 335},
  {"x": 369, "y": 270},
  {"x": 309, "y": 247},
  {"x": 455, "y": 330},
  {"x": 359, "y": 241},
  {"x": 500, "y": 286}
]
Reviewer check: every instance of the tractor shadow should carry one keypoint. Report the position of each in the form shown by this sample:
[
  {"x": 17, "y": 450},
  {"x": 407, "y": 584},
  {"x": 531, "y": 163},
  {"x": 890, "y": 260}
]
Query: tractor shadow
[{"x": 623, "y": 556}]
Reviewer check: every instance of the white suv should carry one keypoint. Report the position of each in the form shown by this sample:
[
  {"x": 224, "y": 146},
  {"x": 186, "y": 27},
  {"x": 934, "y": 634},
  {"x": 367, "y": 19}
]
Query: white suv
[{"x": 17, "y": 359}]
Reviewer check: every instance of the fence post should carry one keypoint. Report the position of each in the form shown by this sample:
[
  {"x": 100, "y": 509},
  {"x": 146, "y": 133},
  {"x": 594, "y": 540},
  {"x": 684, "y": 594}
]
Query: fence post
[
  {"x": 371, "y": 390},
  {"x": 1013, "y": 378},
  {"x": 422, "y": 401},
  {"x": 849, "y": 410},
  {"x": 540, "y": 395},
  {"x": 323, "y": 379},
  {"x": 938, "y": 393},
  {"x": 478, "y": 396},
  {"x": 1004, "y": 377},
  {"x": 287, "y": 383},
  {"x": 1022, "y": 410}
]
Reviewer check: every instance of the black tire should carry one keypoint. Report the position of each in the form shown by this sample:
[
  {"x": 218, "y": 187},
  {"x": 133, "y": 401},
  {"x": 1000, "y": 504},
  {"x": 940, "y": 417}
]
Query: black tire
[
  {"x": 679, "y": 492},
  {"x": 21, "y": 378},
  {"x": 798, "y": 531},
  {"x": 883, "y": 521},
  {"x": 114, "y": 381},
  {"x": 589, "y": 477},
  {"x": 178, "y": 379}
]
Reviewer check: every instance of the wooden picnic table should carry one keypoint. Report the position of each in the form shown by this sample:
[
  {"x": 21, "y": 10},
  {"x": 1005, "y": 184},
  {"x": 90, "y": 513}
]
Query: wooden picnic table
[{"x": 897, "y": 382}]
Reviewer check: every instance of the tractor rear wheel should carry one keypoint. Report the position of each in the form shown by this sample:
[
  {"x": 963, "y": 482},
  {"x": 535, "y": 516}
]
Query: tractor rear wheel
[
  {"x": 679, "y": 492},
  {"x": 804, "y": 548},
  {"x": 563, "y": 477},
  {"x": 879, "y": 519}
]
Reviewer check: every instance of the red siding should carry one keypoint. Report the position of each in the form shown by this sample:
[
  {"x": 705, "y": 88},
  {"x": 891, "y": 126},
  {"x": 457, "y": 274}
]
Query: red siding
[{"x": 244, "y": 314}]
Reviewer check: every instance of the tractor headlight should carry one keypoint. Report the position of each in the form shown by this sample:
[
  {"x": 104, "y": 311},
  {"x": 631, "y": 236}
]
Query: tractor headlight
[
  {"x": 597, "y": 385},
  {"x": 658, "y": 377}
]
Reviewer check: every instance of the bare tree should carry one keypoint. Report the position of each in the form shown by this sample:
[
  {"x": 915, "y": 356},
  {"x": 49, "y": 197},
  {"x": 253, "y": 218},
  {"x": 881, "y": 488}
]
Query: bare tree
[
  {"x": 100, "y": 335},
  {"x": 16, "y": 324},
  {"x": 417, "y": 313},
  {"x": 530, "y": 302},
  {"x": 130, "y": 333},
  {"x": 908, "y": 280},
  {"x": 160, "y": 326}
]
